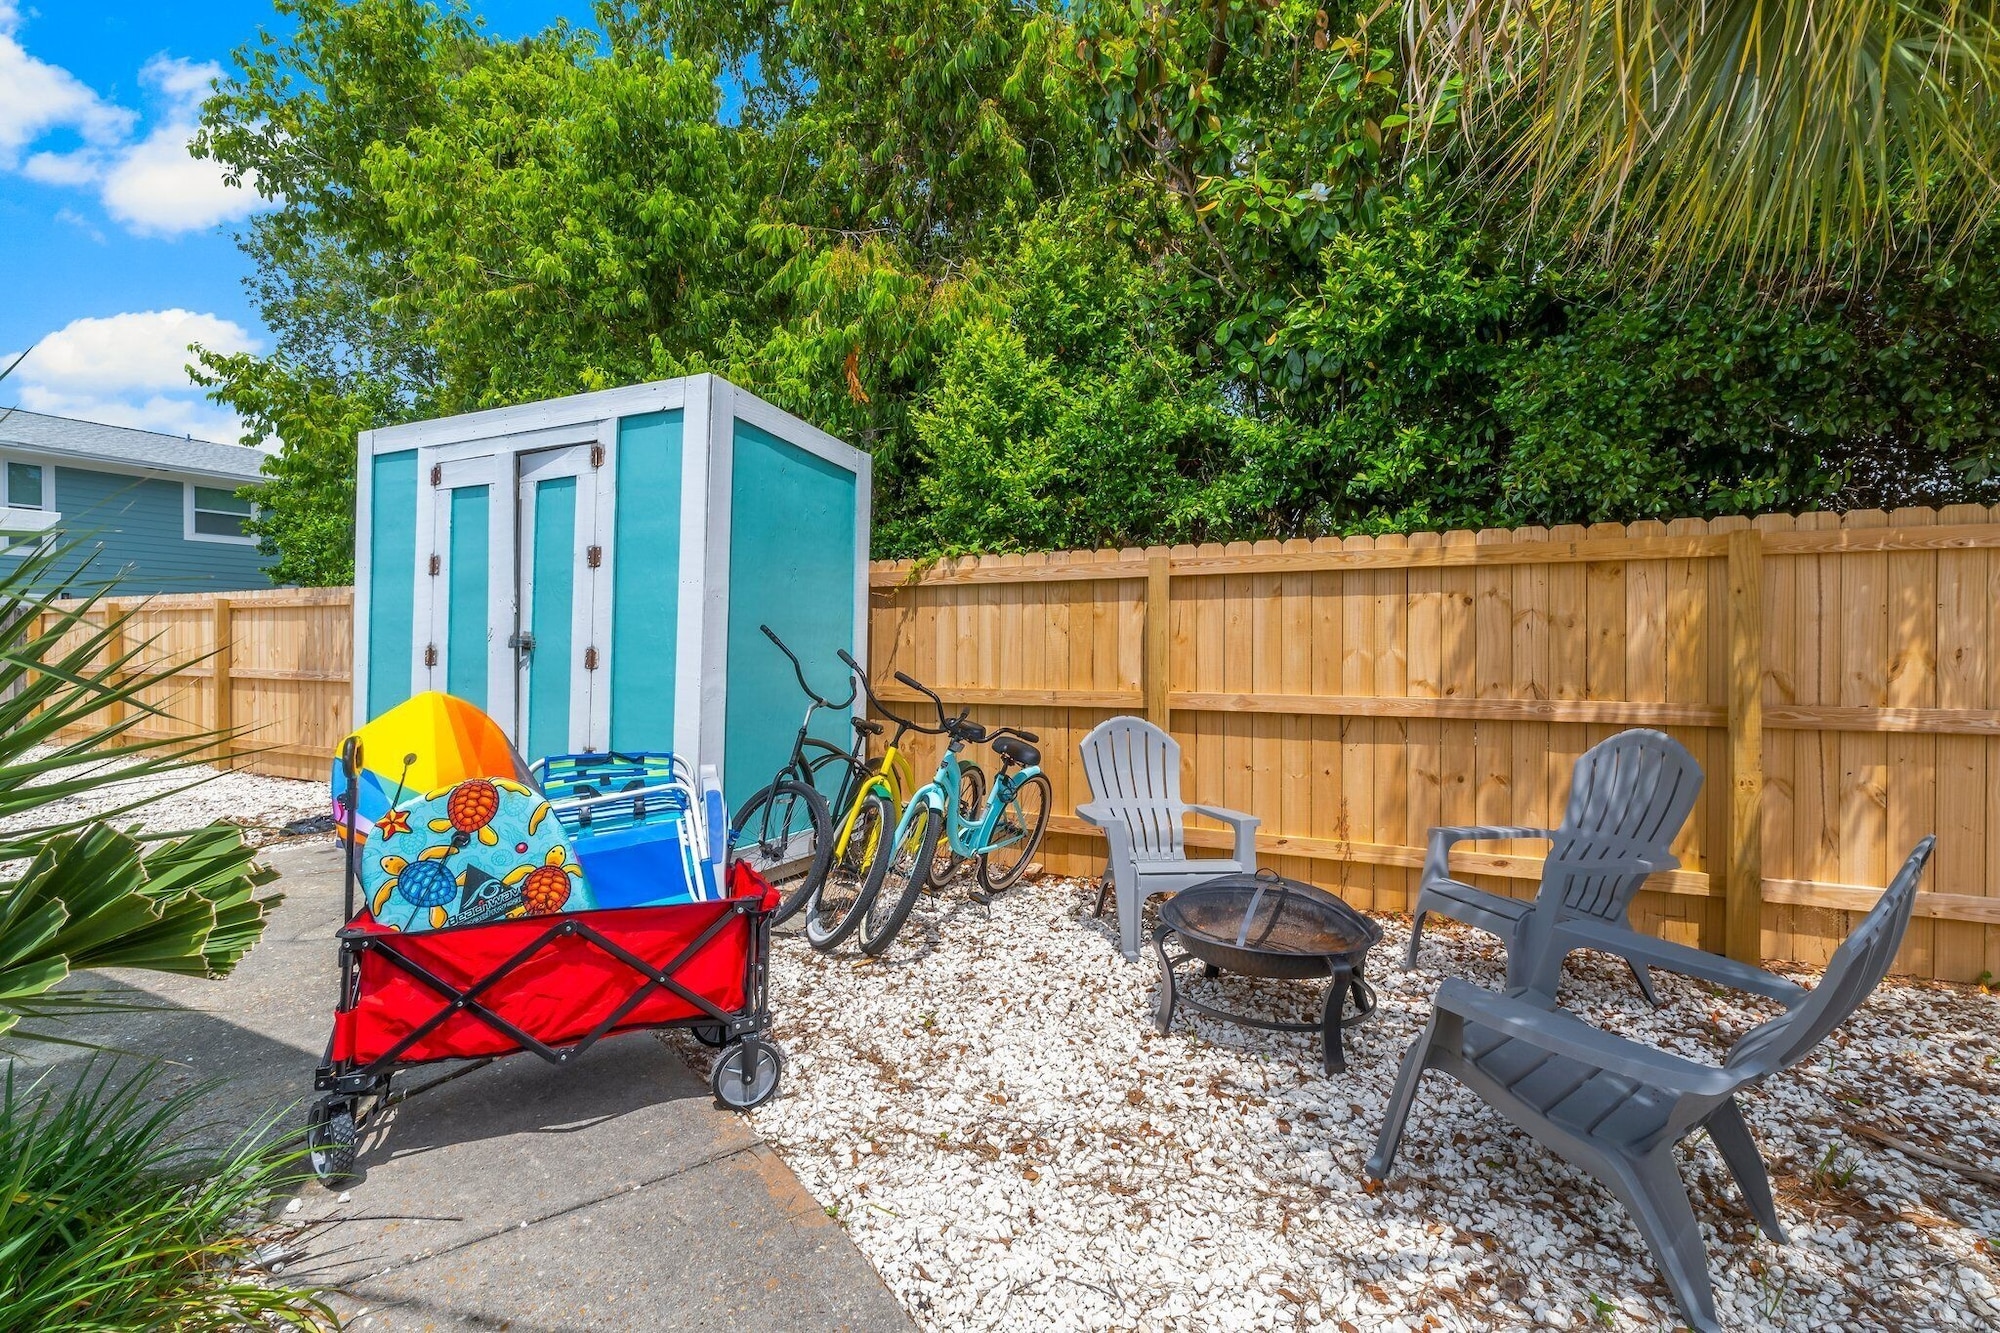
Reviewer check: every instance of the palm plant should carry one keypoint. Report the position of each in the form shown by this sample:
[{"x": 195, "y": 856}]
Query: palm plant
[
  {"x": 81, "y": 893},
  {"x": 1768, "y": 136}
]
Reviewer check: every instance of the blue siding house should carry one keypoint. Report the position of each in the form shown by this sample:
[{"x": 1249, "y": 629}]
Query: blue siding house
[{"x": 157, "y": 512}]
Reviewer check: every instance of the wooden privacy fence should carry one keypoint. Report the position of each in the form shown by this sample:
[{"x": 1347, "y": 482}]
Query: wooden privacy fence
[
  {"x": 1837, "y": 677},
  {"x": 273, "y": 666}
]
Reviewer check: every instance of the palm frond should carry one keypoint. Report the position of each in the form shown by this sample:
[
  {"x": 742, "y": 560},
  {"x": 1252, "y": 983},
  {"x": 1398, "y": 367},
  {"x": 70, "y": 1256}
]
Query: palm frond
[{"x": 1807, "y": 139}]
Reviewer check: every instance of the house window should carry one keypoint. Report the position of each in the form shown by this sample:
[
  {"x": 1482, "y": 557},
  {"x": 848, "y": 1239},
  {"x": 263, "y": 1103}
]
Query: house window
[
  {"x": 26, "y": 525},
  {"x": 215, "y": 514},
  {"x": 24, "y": 486}
]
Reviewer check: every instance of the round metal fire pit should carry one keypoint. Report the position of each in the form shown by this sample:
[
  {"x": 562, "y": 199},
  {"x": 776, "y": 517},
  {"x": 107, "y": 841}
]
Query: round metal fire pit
[{"x": 1265, "y": 926}]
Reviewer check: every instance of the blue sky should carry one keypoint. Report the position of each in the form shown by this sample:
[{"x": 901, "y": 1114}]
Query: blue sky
[{"x": 115, "y": 245}]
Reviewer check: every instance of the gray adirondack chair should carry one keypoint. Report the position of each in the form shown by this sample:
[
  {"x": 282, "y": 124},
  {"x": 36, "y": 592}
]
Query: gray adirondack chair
[
  {"x": 1134, "y": 771},
  {"x": 1628, "y": 797},
  {"x": 1616, "y": 1108}
]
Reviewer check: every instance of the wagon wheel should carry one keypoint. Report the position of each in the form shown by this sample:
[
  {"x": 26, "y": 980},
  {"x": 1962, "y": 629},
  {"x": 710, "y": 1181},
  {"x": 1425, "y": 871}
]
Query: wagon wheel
[
  {"x": 747, "y": 1074},
  {"x": 713, "y": 1035},
  {"x": 330, "y": 1137}
]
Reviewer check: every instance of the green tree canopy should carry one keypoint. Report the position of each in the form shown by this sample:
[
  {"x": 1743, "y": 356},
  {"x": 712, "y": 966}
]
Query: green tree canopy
[{"x": 1080, "y": 273}]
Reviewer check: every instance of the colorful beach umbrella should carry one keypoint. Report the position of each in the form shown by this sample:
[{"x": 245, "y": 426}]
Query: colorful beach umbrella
[{"x": 429, "y": 741}]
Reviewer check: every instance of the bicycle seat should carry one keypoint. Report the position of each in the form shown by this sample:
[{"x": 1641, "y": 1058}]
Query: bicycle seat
[
  {"x": 1017, "y": 751},
  {"x": 866, "y": 727}
]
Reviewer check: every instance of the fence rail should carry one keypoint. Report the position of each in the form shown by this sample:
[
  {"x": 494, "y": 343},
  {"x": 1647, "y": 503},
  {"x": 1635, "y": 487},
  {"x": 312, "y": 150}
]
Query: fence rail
[{"x": 1837, "y": 677}]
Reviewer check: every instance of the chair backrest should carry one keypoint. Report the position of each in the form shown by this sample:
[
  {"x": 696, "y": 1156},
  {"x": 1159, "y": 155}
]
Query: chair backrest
[
  {"x": 1135, "y": 768},
  {"x": 1629, "y": 794},
  {"x": 1857, "y": 967}
]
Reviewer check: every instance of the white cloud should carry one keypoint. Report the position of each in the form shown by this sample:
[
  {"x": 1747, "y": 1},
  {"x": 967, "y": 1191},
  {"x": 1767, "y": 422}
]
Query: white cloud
[
  {"x": 155, "y": 185},
  {"x": 152, "y": 185},
  {"x": 37, "y": 98},
  {"x": 131, "y": 370}
]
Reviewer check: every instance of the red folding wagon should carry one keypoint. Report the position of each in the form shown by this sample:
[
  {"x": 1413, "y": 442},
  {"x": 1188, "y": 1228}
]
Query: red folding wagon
[{"x": 552, "y": 984}]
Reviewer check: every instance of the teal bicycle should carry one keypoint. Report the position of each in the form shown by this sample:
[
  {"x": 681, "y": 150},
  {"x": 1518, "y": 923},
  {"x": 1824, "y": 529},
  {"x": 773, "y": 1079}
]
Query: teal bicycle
[{"x": 1002, "y": 835}]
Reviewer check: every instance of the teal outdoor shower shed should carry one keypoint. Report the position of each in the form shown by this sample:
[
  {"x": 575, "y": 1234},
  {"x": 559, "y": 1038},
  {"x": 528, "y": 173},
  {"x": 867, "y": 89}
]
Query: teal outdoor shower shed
[{"x": 592, "y": 570}]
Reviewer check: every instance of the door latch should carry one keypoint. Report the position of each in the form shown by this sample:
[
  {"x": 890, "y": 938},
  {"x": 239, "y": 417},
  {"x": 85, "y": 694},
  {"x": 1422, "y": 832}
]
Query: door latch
[{"x": 522, "y": 643}]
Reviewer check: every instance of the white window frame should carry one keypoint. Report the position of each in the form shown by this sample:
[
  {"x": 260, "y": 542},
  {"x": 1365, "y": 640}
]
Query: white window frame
[
  {"x": 187, "y": 515},
  {"x": 25, "y": 529}
]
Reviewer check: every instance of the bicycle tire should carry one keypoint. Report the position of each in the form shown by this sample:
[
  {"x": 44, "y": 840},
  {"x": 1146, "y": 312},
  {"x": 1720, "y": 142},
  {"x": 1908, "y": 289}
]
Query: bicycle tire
[
  {"x": 910, "y": 858},
  {"x": 854, "y": 875},
  {"x": 792, "y": 872},
  {"x": 971, "y": 795},
  {"x": 994, "y": 880}
]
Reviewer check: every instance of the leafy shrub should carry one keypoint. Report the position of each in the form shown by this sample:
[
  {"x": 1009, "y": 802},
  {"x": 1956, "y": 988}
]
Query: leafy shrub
[{"x": 115, "y": 1213}]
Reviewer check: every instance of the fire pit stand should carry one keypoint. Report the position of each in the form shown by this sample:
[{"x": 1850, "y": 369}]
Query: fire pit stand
[{"x": 1265, "y": 926}]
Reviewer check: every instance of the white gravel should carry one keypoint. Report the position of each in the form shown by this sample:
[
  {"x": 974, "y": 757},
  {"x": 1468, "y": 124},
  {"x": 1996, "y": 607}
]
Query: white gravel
[
  {"x": 990, "y": 1114},
  {"x": 193, "y": 797}
]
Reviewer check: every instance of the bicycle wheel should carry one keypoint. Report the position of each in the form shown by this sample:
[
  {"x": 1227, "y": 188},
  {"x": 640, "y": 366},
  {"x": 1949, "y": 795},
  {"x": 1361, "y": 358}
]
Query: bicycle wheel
[
  {"x": 909, "y": 862},
  {"x": 785, "y": 834},
  {"x": 1016, "y": 835},
  {"x": 971, "y": 792},
  {"x": 855, "y": 875}
]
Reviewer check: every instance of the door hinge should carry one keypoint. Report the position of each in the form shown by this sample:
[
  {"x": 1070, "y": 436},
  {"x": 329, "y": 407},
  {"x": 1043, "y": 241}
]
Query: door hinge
[
  {"x": 430, "y": 654},
  {"x": 437, "y": 474},
  {"x": 594, "y": 556},
  {"x": 597, "y": 455},
  {"x": 434, "y": 566},
  {"x": 590, "y": 659}
]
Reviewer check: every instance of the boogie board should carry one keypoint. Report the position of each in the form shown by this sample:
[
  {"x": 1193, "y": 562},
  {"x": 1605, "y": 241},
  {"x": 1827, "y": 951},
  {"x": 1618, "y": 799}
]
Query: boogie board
[{"x": 478, "y": 850}]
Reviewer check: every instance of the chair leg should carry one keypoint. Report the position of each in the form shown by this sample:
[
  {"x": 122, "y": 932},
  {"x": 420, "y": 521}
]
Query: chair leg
[
  {"x": 1400, "y": 1100},
  {"x": 1658, "y": 1200},
  {"x": 1103, "y": 891},
  {"x": 1416, "y": 937},
  {"x": 1645, "y": 980},
  {"x": 1129, "y": 903},
  {"x": 1739, "y": 1150}
]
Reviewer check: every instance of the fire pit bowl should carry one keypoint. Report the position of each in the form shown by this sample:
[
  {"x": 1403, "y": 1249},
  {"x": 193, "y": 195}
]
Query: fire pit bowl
[{"x": 1263, "y": 925}]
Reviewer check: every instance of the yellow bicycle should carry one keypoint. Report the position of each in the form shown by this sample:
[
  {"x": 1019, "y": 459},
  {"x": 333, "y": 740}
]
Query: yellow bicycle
[{"x": 866, "y": 798}]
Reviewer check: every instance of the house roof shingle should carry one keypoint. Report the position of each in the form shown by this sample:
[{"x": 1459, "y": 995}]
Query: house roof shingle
[{"x": 123, "y": 447}]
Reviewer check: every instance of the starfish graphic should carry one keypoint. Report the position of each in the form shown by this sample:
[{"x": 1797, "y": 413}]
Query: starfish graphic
[{"x": 392, "y": 823}]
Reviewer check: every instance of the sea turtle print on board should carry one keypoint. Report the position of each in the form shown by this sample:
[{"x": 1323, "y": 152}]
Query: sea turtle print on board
[{"x": 478, "y": 850}]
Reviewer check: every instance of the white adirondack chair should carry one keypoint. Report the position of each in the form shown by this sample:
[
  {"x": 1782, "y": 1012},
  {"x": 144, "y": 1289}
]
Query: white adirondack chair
[{"x": 1134, "y": 771}]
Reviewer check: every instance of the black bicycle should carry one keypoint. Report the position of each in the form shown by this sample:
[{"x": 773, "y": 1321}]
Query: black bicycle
[{"x": 785, "y": 830}]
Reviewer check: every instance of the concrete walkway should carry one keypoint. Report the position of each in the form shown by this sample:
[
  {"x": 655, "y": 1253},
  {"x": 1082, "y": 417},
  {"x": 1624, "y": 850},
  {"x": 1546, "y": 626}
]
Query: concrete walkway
[{"x": 613, "y": 1194}]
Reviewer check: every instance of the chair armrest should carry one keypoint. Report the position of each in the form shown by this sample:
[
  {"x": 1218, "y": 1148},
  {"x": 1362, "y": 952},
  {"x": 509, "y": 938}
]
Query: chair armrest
[
  {"x": 1561, "y": 1033},
  {"x": 1437, "y": 855},
  {"x": 1648, "y": 951},
  {"x": 1116, "y": 832},
  {"x": 1245, "y": 827}
]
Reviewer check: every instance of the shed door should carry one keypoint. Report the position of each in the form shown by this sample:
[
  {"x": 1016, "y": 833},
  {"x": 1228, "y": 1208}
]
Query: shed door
[
  {"x": 465, "y": 521},
  {"x": 560, "y": 567}
]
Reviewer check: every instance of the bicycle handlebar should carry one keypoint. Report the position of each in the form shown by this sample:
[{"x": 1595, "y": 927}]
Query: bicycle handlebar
[
  {"x": 971, "y": 731},
  {"x": 875, "y": 701},
  {"x": 800, "y": 671}
]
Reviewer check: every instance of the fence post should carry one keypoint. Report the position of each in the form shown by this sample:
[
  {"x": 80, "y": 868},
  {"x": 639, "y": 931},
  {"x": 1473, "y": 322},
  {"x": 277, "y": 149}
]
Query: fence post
[
  {"x": 114, "y": 648},
  {"x": 1157, "y": 603},
  {"x": 219, "y": 674},
  {"x": 1743, "y": 904}
]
